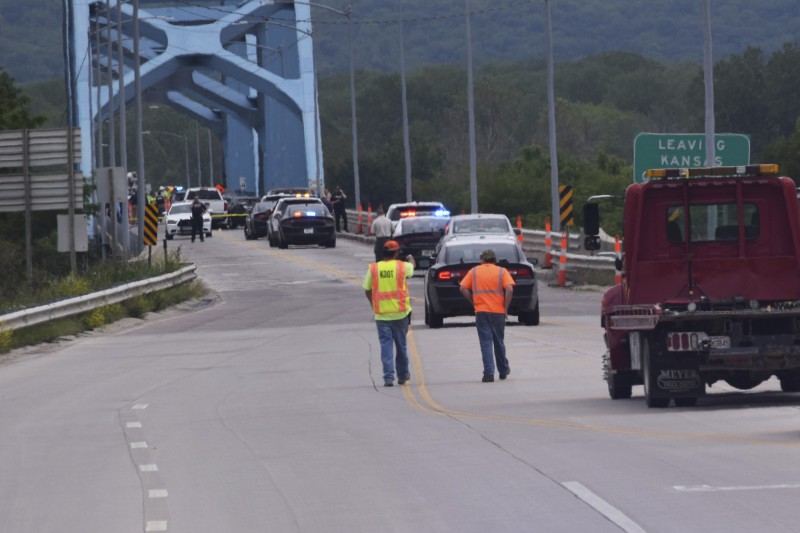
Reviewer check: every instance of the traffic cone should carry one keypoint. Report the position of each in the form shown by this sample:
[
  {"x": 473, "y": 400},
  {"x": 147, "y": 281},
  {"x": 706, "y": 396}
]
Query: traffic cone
[
  {"x": 369, "y": 219},
  {"x": 520, "y": 238},
  {"x": 618, "y": 253},
  {"x": 562, "y": 262},
  {"x": 548, "y": 244},
  {"x": 359, "y": 229}
]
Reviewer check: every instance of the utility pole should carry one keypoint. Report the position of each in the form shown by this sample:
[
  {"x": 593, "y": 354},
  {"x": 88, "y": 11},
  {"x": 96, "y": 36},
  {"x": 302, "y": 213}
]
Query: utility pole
[
  {"x": 112, "y": 136},
  {"x": 123, "y": 103},
  {"x": 210, "y": 160}
]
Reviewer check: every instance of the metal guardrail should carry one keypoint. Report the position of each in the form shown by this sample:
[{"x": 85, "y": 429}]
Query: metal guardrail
[
  {"x": 533, "y": 244},
  {"x": 82, "y": 304}
]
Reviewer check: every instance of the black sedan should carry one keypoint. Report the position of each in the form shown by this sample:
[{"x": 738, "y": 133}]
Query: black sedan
[
  {"x": 257, "y": 221},
  {"x": 301, "y": 221},
  {"x": 457, "y": 256},
  {"x": 238, "y": 209},
  {"x": 418, "y": 236}
]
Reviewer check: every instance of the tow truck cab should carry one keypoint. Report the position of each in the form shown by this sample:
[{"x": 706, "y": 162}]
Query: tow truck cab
[{"x": 711, "y": 284}]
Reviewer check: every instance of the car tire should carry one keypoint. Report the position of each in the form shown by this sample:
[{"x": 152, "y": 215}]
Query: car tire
[
  {"x": 432, "y": 318},
  {"x": 169, "y": 236},
  {"x": 210, "y": 234},
  {"x": 331, "y": 244},
  {"x": 530, "y": 318}
]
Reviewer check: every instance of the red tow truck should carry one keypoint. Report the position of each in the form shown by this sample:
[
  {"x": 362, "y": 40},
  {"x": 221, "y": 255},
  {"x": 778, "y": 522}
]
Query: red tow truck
[{"x": 711, "y": 284}]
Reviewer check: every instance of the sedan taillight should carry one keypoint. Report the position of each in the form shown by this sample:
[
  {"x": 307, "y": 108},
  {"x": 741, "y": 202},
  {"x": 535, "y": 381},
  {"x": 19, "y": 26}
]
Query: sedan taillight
[
  {"x": 450, "y": 275},
  {"x": 521, "y": 273}
]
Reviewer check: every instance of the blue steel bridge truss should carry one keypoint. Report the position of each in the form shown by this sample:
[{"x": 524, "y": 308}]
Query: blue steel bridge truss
[{"x": 244, "y": 71}]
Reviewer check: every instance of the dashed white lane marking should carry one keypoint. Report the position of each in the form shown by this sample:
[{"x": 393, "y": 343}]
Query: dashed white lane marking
[
  {"x": 148, "y": 468},
  {"x": 157, "y": 493},
  {"x": 710, "y": 488},
  {"x": 138, "y": 445},
  {"x": 140, "y": 406},
  {"x": 156, "y": 525},
  {"x": 603, "y": 507},
  {"x": 133, "y": 425}
]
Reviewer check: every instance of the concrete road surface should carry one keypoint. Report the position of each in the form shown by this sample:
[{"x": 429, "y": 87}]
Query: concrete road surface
[{"x": 262, "y": 409}]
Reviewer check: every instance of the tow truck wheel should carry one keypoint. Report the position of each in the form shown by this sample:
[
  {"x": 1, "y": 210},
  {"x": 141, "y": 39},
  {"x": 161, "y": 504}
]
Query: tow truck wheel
[
  {"x": 790, "y": 381},
  {"x": 743, "y": 380},
  {"x": 647, "y": 378},
  {"x": 616, "y": 390}
]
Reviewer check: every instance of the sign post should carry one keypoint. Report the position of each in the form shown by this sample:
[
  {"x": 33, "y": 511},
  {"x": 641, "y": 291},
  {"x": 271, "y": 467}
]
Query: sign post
[{"x": 686, "y": 150}]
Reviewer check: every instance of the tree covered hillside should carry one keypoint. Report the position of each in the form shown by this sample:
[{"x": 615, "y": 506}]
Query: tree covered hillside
[{"x": 503, "y": 30}]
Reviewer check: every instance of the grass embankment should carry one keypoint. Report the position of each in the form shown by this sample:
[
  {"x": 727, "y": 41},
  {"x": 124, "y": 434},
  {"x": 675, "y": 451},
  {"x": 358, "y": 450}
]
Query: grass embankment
[{"x": 102, "y": 276}]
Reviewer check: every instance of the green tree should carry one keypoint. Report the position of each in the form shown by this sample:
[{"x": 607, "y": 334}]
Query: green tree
[{"x": 14, "y": 106}]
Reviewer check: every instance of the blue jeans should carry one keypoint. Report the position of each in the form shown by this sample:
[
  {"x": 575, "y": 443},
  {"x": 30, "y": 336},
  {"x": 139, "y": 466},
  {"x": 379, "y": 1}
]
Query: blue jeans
[
  {"x": 392, "y": 334},
  {"x": 491, "y": 329}
]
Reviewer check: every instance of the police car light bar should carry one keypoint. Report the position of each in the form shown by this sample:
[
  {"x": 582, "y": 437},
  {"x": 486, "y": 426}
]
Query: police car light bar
[{"x": 703, "y": 172}]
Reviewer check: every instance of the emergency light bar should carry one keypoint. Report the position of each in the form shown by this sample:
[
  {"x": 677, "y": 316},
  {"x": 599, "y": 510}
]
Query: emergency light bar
[{"x": 718, "y": 172}]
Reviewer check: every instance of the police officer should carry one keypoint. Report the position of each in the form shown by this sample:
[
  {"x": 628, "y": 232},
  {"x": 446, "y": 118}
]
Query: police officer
[
  {"x": 382, "y": 229},
  {"x": 339, "y": 212},
  {"x": 385, "y": 285},
  {"x": 198, "y": 209}
]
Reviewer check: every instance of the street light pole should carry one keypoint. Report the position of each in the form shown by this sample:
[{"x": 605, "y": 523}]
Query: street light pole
[
  {"x": 353, "y": 122},
  {"x": 708, "y": 76},
  {"x": 555, "y": 197},
  {"x": 140, "y": 192},
  {"x": 473, "y": 164},
  {"x": 406, "y": 142}
]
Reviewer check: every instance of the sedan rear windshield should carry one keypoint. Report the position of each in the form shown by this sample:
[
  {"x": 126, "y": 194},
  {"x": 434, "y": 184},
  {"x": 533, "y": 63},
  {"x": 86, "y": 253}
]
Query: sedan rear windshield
[
  {"x": 471, "y": 253},
  {"x": 306, "y": 209},
  {"x": 481, "y": 225},
  {"x": 422, "y": 225}
]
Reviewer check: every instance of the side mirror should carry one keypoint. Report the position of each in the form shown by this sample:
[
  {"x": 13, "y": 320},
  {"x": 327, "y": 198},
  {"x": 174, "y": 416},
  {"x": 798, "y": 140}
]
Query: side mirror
[
  {"x": 618, "y": 263},
  {"x": 534, "y": 261},
  {"x": 591, "y": 219},
  {"x": 517, "y": 231}
]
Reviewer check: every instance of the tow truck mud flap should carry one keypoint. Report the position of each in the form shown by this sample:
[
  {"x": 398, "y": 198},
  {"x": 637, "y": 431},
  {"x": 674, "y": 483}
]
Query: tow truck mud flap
[{"x": 675, "y": 378}]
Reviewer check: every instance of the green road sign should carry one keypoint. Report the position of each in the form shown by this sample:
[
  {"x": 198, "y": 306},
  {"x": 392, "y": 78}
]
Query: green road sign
[{"x": 686, "y": 150}]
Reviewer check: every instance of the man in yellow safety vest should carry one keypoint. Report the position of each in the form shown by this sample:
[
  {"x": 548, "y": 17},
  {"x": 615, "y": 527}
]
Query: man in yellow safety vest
[{"x": 387, "y": 291}]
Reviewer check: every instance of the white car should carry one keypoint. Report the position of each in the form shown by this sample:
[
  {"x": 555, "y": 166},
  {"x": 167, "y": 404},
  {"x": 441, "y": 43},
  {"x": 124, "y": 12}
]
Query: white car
[{"x": 179, "y": 220}]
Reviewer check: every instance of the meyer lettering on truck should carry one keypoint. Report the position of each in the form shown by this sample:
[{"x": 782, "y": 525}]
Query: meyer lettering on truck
[
  {"x": 216, "y": 205},
  {"x": 710, "y": 286}
]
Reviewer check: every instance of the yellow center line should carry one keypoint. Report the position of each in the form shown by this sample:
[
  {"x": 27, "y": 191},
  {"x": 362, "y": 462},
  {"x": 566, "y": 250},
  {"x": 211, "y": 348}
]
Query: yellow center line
[{"x": 427, "y": 404}]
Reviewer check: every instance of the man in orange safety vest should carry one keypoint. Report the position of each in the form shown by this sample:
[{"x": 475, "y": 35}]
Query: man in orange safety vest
[
  {"x": 387, "y": 291},
  {"x": 489, "y": 289}
]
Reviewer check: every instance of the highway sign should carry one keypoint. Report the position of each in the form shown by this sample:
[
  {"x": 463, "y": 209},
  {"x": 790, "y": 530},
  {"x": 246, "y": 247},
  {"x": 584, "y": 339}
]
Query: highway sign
[{"x": 686, "y": 150}]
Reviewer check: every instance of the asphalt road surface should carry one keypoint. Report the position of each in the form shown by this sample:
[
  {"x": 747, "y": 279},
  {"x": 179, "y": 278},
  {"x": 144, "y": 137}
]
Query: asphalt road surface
[{"x": 262, "y": 409}]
